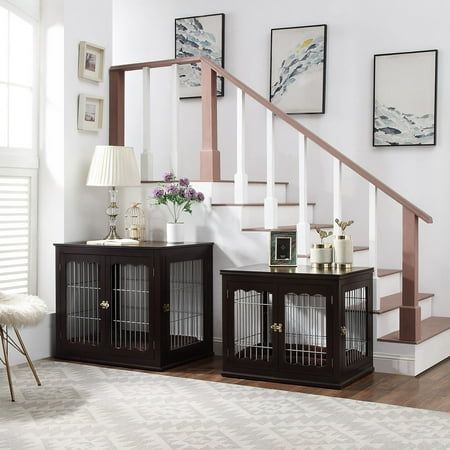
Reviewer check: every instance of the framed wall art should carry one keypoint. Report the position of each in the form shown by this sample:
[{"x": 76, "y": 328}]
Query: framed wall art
[
  {"x": 199, "y": 36},
  {"x": 298, "y": 69},
  {"x": 283, "y": 248},
  {"x": 90, "y": 113},
  {"x": 404, "y": 99},
  {"x": 91, "y": 59}
]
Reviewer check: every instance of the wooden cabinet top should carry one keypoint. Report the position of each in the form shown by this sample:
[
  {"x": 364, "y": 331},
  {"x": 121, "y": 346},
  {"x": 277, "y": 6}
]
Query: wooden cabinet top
[
  {"x": 299, "y": 271},
  {"x": 145, "y": 245}
]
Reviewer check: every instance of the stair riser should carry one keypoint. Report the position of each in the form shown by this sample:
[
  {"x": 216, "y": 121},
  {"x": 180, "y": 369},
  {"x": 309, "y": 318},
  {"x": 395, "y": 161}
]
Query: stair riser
[
  {"x": 390, "y": 284},
  {"x": 253, "y": 216},
  {"x": 389, "y": 322},
  {"x": 224, "y": 192}
]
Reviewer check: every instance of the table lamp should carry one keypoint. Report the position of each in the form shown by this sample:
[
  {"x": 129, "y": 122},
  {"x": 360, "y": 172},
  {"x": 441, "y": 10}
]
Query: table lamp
[{"x": 113, "y": 166}]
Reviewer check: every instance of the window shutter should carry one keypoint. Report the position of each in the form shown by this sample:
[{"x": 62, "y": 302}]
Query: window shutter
[{"x": 15, "y": 217}]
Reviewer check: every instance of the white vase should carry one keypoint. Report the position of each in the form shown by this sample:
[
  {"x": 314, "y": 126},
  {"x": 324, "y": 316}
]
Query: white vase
[
  {"x": 175, "y": 232},
  {"x": 343, "y": 252},
  {"x": 321, "y": 256}
]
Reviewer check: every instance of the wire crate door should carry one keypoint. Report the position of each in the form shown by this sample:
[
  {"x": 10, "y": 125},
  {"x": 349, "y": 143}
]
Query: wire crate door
[
  {"x": 305, "y": 339},
  {"x": 252, "y": 331},
  {"x": 82, "y": 319},
  {"x": 131, "y": 305}
]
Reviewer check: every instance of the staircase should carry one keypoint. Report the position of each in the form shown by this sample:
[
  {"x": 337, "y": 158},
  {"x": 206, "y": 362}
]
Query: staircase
[{"x": 407, "y": 337}]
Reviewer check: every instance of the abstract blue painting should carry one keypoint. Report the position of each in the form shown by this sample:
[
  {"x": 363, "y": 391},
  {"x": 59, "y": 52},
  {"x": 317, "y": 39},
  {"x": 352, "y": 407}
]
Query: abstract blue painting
[
  {"x": 194, "y": 36},
  {"x": 297, "y": 72},
  {"x": 404, "y": 111}
]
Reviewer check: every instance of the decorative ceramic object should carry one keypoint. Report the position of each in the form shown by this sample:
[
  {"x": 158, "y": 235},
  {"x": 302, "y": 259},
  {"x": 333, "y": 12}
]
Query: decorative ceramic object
[
  {"x": 343, "y": 247},
  {"x": 175, "y": 232},
  {"x": 322, "y": 254},
  {"x": 178, "y": 196}
]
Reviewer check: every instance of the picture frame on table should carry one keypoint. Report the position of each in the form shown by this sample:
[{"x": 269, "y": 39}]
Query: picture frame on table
[
  {"x": 199, "y": 36},
  {"x": 283, "y": 248},
  {"x": 91, "y": 61},
  {"x": 90, "y": 112},
  {"x": 405, "y": 98},
  {"x": 298, "y": 57}
]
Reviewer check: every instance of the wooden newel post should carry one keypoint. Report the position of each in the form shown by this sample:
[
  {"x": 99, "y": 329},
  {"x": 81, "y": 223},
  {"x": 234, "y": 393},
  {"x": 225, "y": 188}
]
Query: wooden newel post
[
  {"x": 209, "y": 155},
  {"x": 116, "y": 107},
  {"x": 410, "y": 309}
]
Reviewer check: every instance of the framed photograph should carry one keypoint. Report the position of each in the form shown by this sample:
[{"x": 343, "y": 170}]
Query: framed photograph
[
  {"x": 194, "y": 36},
  {"x": 404, "y": 98},
  {"x": 283, "y": 248},
  {"x": 90, "y": 61},
  {"x": 297, "y": 69},
  {"x": 90, "y": 113}
]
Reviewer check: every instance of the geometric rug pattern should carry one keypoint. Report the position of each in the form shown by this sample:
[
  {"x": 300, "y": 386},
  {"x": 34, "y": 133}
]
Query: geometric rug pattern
[{"x": 81, "y": 406}]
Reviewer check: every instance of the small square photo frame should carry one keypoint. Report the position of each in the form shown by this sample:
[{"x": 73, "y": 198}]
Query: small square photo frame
[
  {"x": 91, "y": 61},
  {"x": 283, "y": 248},
  {"x": 90, "y": 113}
]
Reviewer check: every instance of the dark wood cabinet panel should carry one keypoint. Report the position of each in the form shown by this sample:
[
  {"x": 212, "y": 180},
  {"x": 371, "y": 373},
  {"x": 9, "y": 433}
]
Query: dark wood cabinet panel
[
  {"x": 297, "y": 325},
  {"x": 148, "y": 306}
]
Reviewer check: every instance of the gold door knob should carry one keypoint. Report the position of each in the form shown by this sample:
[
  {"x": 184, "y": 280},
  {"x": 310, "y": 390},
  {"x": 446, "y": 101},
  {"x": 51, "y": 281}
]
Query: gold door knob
[
  {"x": 277, "y": 327},
  {"x": 343, "y": 330},
  {"x": 104, "y": 304}
]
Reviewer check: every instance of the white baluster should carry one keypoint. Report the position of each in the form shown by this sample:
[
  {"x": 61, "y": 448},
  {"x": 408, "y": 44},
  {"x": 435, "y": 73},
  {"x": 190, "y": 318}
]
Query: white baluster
[
  {"x": 174, "y": 154},
  {"x": 240, "y": 178},
  {"x": 270, "y": 202},
  {"x": 337, "y": 194},
  {"x": 373, "y": 251},
  {"x": 303, "y": 226},
  {"x": 147, "y": 155}
]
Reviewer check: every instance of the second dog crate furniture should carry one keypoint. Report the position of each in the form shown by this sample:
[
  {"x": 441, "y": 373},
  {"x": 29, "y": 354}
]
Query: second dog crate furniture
[
  {"x": 147, "y": 306},
  {"x": 297, "y": 325}
]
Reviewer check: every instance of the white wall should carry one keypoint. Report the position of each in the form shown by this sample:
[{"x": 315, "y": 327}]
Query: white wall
[{"x": 356, "y": 31}]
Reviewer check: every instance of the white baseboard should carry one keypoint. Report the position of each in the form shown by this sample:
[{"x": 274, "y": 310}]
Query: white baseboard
[{"x": 217, "y": 346}]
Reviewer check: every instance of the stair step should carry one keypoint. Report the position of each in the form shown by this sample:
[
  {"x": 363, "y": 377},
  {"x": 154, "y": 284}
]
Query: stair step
[
  {"x": 429, "y": 328},
  {"x": 386, "y": 272},
  {"x": 287, "y": 227},
  {"x": 394, "y": 301}
]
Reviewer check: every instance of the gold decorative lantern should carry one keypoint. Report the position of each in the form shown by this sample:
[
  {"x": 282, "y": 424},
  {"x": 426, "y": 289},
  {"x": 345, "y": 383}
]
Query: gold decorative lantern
[{"x": 135, "y": 222}]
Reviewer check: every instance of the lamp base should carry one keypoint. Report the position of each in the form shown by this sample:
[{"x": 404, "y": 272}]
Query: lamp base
[{"x": 112, "y": 234}]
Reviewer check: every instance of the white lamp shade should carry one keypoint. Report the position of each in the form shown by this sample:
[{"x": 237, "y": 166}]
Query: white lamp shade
[{"x": 113, "y": 165}]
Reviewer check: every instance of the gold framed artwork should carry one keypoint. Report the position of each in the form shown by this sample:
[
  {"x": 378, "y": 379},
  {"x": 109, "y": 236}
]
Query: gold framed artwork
[
  {"x": 91, "y": 61},
  {"x": 283, "y": 248},
  {"x": 90, "y": 112}
]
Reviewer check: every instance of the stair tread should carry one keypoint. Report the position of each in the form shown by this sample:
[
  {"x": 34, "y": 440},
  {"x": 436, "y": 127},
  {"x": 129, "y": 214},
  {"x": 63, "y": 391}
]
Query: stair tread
[
  {"x": 429, "y": 328},
  {"x": 221, "y": 181},
  {"x": 287, "y": 227},
  {"x": 394, "y": 301},
  {"x": 386, "y": 272},
  {"x": 256, "y": 204}
]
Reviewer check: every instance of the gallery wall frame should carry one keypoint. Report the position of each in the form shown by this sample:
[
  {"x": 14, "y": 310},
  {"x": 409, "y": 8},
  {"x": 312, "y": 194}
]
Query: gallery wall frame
[
  {"x": 405, "y": 98},
  {"x": 214, "y": 48},
  {"x": 298, "y": 63},
  {"x": 91, "y": 61},
  {"x": 90, "y": 112}
]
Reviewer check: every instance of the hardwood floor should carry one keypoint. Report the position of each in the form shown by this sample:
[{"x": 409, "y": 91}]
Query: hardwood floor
[{"x": 430, "y": 390}]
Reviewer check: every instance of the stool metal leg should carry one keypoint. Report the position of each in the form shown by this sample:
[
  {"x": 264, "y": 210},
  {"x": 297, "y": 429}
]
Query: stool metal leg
[
  {"x": 5, "y": 355},
  {"x": 25, "y": 353}
]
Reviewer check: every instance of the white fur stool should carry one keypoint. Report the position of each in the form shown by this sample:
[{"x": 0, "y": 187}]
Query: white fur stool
[{"x": 16, "y": 311}]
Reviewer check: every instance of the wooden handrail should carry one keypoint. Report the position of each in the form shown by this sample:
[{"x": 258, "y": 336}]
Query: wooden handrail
[{"x": 289, "y": 120}]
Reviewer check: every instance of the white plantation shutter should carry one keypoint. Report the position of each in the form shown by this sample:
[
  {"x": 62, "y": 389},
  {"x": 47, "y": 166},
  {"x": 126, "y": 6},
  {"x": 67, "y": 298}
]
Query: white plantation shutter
[{"x": 15, "y": 234}]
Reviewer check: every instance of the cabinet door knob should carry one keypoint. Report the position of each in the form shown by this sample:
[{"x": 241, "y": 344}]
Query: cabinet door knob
[
  {"x": 343, "y": 330},
  {"x": 104, "y": 304},
  {"x": 277, "y": 327}
]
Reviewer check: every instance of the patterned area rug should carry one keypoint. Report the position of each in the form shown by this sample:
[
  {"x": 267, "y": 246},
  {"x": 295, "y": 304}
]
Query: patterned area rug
[{"x": 82, "y": 406}]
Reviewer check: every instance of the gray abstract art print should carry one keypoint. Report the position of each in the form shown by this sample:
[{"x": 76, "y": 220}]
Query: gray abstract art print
[
  {"x": 297, "y": 69},
  {"x": 199, "y": 36},
  {"x": 404, "y": 109}
]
